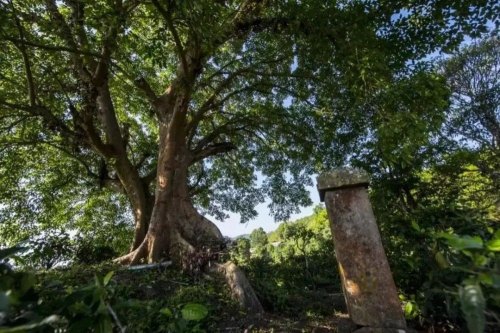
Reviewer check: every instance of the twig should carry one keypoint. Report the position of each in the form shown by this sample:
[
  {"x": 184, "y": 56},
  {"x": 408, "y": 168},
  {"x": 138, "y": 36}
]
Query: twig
[{"x": 115, "y": 317}]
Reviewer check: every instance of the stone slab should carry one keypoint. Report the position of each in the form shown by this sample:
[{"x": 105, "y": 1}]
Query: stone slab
[
  {"x": 371, "y": 295},
  {"x": 341, "y": 178}
]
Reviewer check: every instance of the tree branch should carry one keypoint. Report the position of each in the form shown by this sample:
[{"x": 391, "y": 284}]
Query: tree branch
[
  {"x": 211, "y": 150},
  {"x": 203, "y": 113},
  {"x": 38, "y": 110},
  {"x": 50, "y": 47},
  {"x": 110, "y": 122},
  {"x": 55, "y": 146},
  {"x": 167, "y": 15},
  {"x": 144, "y": 86},
  {"x": 65, "y": 33},
  {"x": 207, "y": 105},
  {"x": 24, "y": 54},
  {"x": 101, "y": 72}
]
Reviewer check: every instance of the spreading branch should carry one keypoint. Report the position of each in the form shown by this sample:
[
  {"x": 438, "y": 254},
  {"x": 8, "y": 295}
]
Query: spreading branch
[
  {"x": 106, "y": 181},
  {"x": 211, "y": 150},
  {"x": 210, "y": 102},
  {"x": 24, "y": 53},
  {"x": 144, "y": 86},
  {"x": 64, "y": 32},
  {"x": 38, "y": 110},
  {"x": 167, "y": 15},
  {"x": 47, "y": 47},
  {"x": 110, "y": 42},
  {"x": 202, "y": 113}
]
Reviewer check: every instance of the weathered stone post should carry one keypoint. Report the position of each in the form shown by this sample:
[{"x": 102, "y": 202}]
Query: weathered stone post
[{"x": 369, "y": 289}]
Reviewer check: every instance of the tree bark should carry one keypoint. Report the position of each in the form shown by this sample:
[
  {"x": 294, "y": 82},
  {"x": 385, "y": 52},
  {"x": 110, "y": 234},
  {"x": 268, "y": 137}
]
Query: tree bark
[
  {"x": 175, "y": 227},
  {"x": 139, "y": 197}
]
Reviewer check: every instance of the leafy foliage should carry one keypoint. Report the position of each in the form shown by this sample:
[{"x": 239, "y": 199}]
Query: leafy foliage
[
  {"x": 291, "y": 266},
  {"x": 83, "y": 300},
  {"x": 18, "y": 298},
  {"x": 438, "y": 212}
]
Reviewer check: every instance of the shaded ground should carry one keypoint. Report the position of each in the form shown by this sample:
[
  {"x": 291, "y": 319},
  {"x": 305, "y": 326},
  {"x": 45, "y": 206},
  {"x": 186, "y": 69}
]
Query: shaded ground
[
  {"x": 150, "y": 290},
  {"x": 276, "y": 323},
  {"x": 139, "y": 296}
]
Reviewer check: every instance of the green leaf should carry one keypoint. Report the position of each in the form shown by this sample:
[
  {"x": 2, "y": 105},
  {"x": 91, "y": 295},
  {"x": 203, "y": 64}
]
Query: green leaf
[
  {"x": 411, "y": 309},
  {"x": 480, "y": 260},
  {"x": 486, "y": 279},
  {"x": 408, "y": 309},
  {"x": 462, "y": 242},
  {"x": 167, "y": 312},
  {"x": 194, "y": 311},
  {"x": 441, "y": 260},
  {"x": 107, "y": 278},
  {"x": 494, "y": 245},
  {"x": 472, "y": 304},
  {"x": 415, "y": 226}
]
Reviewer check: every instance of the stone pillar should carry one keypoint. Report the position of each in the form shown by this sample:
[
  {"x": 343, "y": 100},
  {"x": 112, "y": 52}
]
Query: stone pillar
[{"x": 369, "y": 289}]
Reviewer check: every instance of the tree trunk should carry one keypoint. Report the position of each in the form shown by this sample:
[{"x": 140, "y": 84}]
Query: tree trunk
[
  {"x": 135, "y": 188},
  {"x": 175, "y": 226},
  {"x": 139, "y": 196}
]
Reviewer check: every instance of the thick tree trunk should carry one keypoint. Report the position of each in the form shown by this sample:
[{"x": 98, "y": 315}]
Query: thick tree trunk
[{"x": 175, "y": 226}]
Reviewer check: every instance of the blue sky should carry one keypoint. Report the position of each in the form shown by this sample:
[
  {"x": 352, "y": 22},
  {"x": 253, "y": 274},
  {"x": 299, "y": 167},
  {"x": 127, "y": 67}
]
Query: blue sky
[{"x": 232, "y": 227}]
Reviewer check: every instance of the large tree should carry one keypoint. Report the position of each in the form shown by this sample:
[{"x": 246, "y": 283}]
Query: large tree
[
  {"x": 177, "y": 104},
  {"x": 473, "y": 124}
]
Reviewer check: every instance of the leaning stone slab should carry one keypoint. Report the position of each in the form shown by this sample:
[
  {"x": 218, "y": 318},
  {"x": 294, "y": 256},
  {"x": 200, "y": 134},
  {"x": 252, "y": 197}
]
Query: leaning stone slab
[{"x": 369, "y": 289}]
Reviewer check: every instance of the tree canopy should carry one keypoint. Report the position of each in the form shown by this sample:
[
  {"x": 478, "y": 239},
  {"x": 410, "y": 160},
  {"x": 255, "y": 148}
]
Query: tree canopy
[{"x": 174, "y": 107}]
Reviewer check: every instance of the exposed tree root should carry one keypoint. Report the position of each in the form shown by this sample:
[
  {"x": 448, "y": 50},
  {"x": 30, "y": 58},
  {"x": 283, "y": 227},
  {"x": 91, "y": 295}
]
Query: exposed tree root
[
  {"x": 179, "y": 234},
  {"x": 180, "y": 237},
  {"x": 241, "y": 289},
  {"x": 134, "y": 257}
]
